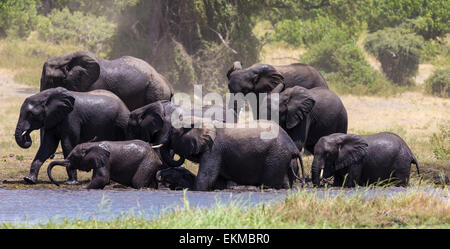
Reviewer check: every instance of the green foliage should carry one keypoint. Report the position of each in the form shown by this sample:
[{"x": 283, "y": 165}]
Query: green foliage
[
  {"x": 63, "y": 26},
  {"x": 439, "y": 83},
  {"x": 430, "y": 18},
  {"x": 17, "y": 17},
  {"x": 303, "y": 32},
  {"x": 441, "y": 143},
  {"x": 398, "y": 51}
]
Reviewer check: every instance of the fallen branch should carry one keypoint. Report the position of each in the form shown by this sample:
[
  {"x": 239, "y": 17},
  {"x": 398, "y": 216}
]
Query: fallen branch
[{"x": 223, "y": 41}]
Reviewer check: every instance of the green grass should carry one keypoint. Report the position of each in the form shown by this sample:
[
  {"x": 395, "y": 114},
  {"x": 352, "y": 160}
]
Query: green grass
[
  {"x": 27, "y": 57},
  {"x": 414, "y": 208}
]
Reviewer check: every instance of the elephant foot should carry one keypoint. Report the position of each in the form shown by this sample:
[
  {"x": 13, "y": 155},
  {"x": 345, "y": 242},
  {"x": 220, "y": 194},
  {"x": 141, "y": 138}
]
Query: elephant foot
[
  {"x": 30, "y": 179},
  {"x": 71, "y": 182}
]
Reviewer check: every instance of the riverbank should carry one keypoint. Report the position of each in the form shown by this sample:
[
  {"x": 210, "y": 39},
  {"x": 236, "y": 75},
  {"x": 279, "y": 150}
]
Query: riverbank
[{"x": 416, "y": 207}]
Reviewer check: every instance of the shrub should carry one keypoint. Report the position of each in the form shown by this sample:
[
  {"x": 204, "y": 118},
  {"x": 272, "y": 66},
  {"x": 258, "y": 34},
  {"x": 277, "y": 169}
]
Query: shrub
[
  {"x": 17, "y": 17},
  {"x": 439, "y": 83},
  {"x": 345, "y": 67},
  {"x": 303, "y": 32},
  {"x": 398, "y": 51},
  {"x": 63, "y": 26}
]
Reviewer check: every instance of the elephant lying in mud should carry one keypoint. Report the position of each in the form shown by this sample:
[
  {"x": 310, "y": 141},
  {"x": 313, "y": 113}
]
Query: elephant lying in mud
[
  {"x": 360, "y": 160},
  {"x": 130, "y": 163},
  {"x": 236, "y": 154},
  {"x": 70, "y": 118},
  {"x": 133, "y": 80},
  {"x": 143, "y": 124},
  {"x": 179, "y": 178}
]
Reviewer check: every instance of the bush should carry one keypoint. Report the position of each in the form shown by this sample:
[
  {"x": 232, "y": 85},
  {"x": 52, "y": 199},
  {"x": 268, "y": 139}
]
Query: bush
[
  {"x": 17, "y": 17},
  {"x": 63, "y": 26},
  {"x": 344, "y": 65},
  {"x": 439, "y": 83},
  {"x": 303, "y": 32},
  {"x": 398, "y": 51}
]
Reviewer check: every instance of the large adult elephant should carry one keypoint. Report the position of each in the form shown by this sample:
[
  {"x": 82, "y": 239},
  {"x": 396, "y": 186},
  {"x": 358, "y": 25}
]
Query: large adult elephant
[
  {"x": 70, "y": 118},
  {"x": 263, "y": 78},
  {"x": 131, "y": 79},
  {"x": 308, "y": 114}
]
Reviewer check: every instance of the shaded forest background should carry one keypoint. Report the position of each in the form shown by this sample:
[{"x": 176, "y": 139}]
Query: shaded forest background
[{"x": 195, "y": 41}]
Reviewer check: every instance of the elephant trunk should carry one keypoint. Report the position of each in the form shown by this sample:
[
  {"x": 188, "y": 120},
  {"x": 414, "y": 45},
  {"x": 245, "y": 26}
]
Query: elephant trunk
[
  {"x": 22, "y": 135},
  {"x": 65, "y": 163},
  {"x": 167, "y": 157},
  {"x": 316, "y": 172}
]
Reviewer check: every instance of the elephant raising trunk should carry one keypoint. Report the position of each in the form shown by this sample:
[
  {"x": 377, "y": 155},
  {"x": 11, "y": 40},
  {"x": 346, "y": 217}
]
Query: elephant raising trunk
[{"x": 64, "y": 163}]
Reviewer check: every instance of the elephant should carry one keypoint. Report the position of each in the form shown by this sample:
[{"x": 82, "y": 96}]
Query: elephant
[
  {"x": 263, "y": 78},
  {"x": 231, "y": 153},
  {"x": 176, "y": 178},
  {"x": 179, "y": 178},
  {"x": 308, "y": 114},
  {"x": 142, "y": 126},
  {"x": 362, "y": 159},
  {"x": 133, "y": 80},
  {"x": 70, "y": 118},
  {"x": 131, "y": 163}
]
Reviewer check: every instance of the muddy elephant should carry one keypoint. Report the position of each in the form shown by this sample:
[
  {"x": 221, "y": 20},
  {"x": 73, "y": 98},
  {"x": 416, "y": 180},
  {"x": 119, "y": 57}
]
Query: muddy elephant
[
  {"x": 131, "y": 163},
  {"x": 70, "y": 118},
  {"x": 142, "y": 126},
  {"x": 176, "y": 178},
  {"x": 308, "y": 114},
  {"x": 362, "y": 159},
  {"x": 236, "y": 154},
  {"x": 263, "y": 78},
  {"x": 131, "y": 79}
]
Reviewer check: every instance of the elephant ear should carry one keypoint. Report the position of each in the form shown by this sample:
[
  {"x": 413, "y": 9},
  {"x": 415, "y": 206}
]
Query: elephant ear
[
  {"x": 352, "y": 149},
  {"x": 299, "y": 103},
  {"x": 97, "y": 156},
  {"x": 58, "y": 104},
  {"x": 153, "y": 117},
  {"x": 195, "y": 141},
  {"x": 268, "y": 79},
  {"x": 236, "y": 66},
  {"x": 82, "y": 71}
]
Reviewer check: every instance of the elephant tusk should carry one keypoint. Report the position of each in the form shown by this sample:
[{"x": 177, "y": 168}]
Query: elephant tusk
[
  {"x": 321, "y": 174},
  {"x": 157, "y": 146}
]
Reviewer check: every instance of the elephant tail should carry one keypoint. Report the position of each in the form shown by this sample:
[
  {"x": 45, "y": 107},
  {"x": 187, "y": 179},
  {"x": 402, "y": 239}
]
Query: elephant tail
[{"x": 414, "y": 161}]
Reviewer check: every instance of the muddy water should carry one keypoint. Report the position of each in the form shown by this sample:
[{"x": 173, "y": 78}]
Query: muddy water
[{"x": 41, "y": 205}]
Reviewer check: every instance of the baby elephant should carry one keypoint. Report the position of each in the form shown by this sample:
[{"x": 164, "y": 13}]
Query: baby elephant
[
  {"x": 362, "y": 160},
  {"x": 176, "y": 178},
  {"x": 131, "y": 163}
]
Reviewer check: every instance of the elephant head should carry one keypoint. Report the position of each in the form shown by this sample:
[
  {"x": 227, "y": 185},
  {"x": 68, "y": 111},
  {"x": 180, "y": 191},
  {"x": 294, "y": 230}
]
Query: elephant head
[
  {"x": 336, "y": 152},
  {"x": 194, "y": 137},
  {"x": 45, "y": 109},
  {"x": 294, "y": 105},
  {"x": 75, "y": 71},
  {"x": 150, "y": 124},
  {"x": 85, "y": 157},
  {"x": 259, "y": 78}
]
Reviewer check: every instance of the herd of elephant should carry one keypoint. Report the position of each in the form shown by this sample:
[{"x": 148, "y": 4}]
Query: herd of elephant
[{"x": 114, "y": 117}]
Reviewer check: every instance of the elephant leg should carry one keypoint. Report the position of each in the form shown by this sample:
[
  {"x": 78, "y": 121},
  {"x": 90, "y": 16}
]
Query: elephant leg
[
  {"x": 67, "y": 145},
  {"x": 49, "y": 144},
  {"x": 100, "y": 178},
  {"x": 208, "y": 171},
  {"x": 145, "y": 175}
]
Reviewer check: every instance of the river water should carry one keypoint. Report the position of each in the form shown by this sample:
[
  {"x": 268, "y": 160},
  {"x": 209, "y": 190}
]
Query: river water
[{"x": 32, "y": 206}]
